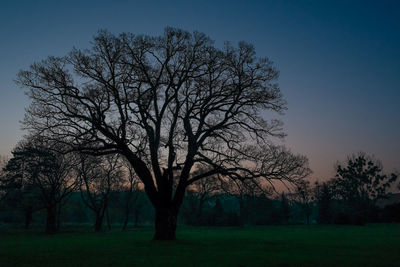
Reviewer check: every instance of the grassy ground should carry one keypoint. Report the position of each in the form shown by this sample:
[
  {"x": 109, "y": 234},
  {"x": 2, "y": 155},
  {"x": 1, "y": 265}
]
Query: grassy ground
[{"x": 372, "y": 245}]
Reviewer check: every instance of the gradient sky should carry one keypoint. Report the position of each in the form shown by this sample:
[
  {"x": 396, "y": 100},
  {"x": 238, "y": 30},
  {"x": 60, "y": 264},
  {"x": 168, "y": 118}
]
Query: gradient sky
[{"x": 339, "y": 61}]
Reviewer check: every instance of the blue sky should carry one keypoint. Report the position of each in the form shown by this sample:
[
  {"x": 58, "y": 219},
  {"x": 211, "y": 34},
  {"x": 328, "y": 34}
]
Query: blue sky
[{"x": 339, "y": 61}]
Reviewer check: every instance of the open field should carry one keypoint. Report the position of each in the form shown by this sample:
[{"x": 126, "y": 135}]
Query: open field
[{"x": 372, "y": 245}]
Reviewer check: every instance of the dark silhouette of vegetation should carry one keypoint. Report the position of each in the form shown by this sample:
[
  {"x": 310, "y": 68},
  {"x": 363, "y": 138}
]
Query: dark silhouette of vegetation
[
  {"x": 351, "y": 196},
  {"x": 246, "y": 192},
  {"x": 132, "y": 198},
  {"x": 39, "y": 173},
  {"x": 198, "y": 194},
  {"x": 18, "y": 192},
  {"x": 358, "y": 185},
  {"x": 323, "y": 195},
  {"x": 304, "y": 195},
  {"x": 168, "y": 104},
  {"x": 98, "y": 176},
  {"x": 285, "y": 208}
]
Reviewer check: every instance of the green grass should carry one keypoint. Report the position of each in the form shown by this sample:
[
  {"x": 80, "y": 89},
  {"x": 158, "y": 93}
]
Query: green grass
[{"x": 372, "y": 245}]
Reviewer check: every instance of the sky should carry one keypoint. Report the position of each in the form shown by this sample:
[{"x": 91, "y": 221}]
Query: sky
[{"x": 339, "y": 61}]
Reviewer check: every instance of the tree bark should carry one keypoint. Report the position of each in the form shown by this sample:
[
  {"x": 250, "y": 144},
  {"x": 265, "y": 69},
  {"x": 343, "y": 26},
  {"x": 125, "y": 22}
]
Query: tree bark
[
  {"x": 51, "y": 220},
  {"x": 165, "y": 223}
]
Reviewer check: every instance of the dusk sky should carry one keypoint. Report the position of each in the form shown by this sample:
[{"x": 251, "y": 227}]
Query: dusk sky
[{"x": 339, "y": 61}]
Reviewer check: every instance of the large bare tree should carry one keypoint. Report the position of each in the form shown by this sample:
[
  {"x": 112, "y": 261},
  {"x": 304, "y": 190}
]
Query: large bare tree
[{"x": 167, "y": 103}]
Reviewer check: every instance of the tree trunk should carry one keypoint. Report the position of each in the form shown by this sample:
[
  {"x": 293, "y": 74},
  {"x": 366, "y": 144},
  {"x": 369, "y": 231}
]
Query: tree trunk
[
  {"x": 127, "y": 213},
  {"x": 51, "y": 221},
  {"x": 98, "y": 224},
  {"x": 137, "y": 214},
  {"x": 165, "y": 223},
  {"x": 59, "y": 216},
  {"x": 28, "y": 217},
  {"x": 199, "y": 212},
  {"x": 108, "y": 219},
  {"x": 242, "y": 211},
  {"x": 124, "y": 226}
]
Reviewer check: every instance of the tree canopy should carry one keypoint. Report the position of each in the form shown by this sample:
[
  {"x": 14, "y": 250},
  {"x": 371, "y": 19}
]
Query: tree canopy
[
  {"x": 358, "y": 184},
  {"x": 42, "y": 175},
  {"x": 362, "y": 178},
  {"x": 167, "y": 103}
]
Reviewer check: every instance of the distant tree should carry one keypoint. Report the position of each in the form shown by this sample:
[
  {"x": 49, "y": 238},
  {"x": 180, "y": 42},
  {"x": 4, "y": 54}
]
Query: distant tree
[
  {"x": 245, "y": 191},
  {"x": 18, "y": 192},
  {"x": 41, "y": 173},
  {"x": 305, "y": 197},
  {"x": 132, "y": 196},
  {"x": 167, "y": 104},
  {"x": 285, "y": 208},
  {"x": 198, "y": 194},
  {"x": 3, "y": 179},
  {"x": 359, "y": 184},
  {"x": 137, "y": 207},
  {"x": 217, "y": 213},
  {"x": 323, "y": 194},
  {"x": 98, "y": 176}
]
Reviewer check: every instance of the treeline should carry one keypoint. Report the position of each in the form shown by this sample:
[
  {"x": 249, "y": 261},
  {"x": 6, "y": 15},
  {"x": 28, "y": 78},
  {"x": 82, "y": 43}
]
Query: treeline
[
  {"x": 40, "y": 185},
  {"x": 218, "y": 210},
  {"x": 42, "y": 177}
]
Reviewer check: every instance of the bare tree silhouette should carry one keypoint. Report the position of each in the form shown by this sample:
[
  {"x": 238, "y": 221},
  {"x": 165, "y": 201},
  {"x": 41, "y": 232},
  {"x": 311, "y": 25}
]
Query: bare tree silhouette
[
  {"x": 198, "y": 193},
  {"x": 244, "y": 191},
  {"x": 98, "y": 176},
  {"x": 167, "y": 103},
  {"x": 132, "y": 199},
  {"x": 304, "y": 195}
]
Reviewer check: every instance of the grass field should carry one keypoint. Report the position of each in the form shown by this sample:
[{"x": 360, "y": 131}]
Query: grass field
[{"x": 372, "y": 245}]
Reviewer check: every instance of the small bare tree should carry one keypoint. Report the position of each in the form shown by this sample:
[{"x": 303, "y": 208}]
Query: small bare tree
[
  {"x": 244, "y": 191},
  {"x": 132, "y": 200},
  {"x": 199, "y": 193},
  {"x": 304, "y": 195},
  {"x": 98, "y": 176}
]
